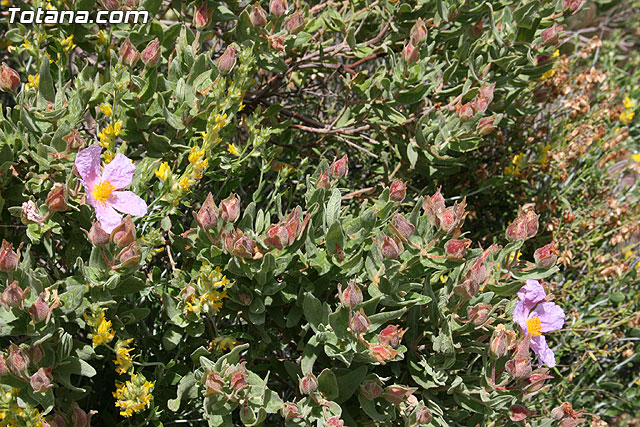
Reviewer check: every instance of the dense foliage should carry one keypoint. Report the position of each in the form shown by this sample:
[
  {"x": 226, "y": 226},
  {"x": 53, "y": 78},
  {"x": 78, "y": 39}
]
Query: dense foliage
[{"x": 329, "y": 214}]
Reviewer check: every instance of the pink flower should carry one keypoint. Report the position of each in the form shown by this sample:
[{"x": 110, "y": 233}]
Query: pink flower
[
  {"x": 535, "y": 317},
  {"x": 102, "y": 189}
]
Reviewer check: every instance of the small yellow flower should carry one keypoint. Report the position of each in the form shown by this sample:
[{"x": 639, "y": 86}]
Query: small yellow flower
[
  {"x": 101, "y": 38},
  {"x": 196, "y": 154},
  {"x": 233, "y": 150},
  {"x": 224, "y": 343},
  {"x": 163, "y": 171},
  {"x": 123, "y": 358},
  {"x": 106, "y": 110},
  {"x": 102, "y": 332},
  {"x": 6, "y": 3},
  {"x": 133, "y": 395},
  {"x": 199, "y": 168},
  {"x": 67, "y": 44},
  {"x": 220, "y": 121},
  {"x": 626, "y": 116},
  {"x": 33, "y": 81},
  {"x": 108, "y": 134},
  {"x": 27, "y": 44},
  {"x": 544, "y": 157},
  {"x": 629, "y": 103},
  {"x": 108, "y": 156},
  {"x": 636, "y": 157},
  {"x": 242, "y": 107},
  {"x": 556, "y": 53},
  {"x": 186, "y": 182},
  {"x": 548, "y": 74}
]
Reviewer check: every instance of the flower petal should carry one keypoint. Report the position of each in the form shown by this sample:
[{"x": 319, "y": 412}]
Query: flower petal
[
  {"x": 119, "y": 171},
  {"x": 129, "y": 203},
  {"x": 532, "y": 292},
  {"x": 88, "y": 164},
  {"x": 521, "y": 315},
  {"x": 108, "y": 217},
  {"x": 545, "y": 355},
  {"x": 551, "y": 316}
]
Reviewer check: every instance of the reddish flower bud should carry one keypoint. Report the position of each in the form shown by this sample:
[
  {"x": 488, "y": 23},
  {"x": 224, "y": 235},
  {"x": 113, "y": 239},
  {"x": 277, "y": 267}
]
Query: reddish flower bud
[
  {"x": 391, "y": 335},
  {"x": 14, "y": 296},
  {"x": 277, "y": 236},
  {"x": 550, "y": 35},
  {"x": 230, "y": 208},
  {"x": 323, "y": 180},
  {"x": 29, "y": 213},
  {"x": 382, "y": 353},
  {"x": 277, "y": 8},
  {"x": 397, "y": 190},
  {"x": 213, "y": 384},
  {"x": 35, "y": 354},
  {"x": 243, "y": 247},
  {"x": 124, "y": 234},
  {"x": 295, "y": 22},
  {"x": 546, "y": 256},
  {"x": 40, "y": 310},
  {"x": 9, "y": 78},
  {"x": 335, "y": 421},
  {"x": 423, "y": 415},
  {"x": 433, "y": 206},
  {"x": 536, "y": 380},
  {"x": 41, "y": 380},
  {"x": 129, "y": 55},
  {"x": 79, "y": 417},
  {"x": 97, "y": 236},
  {"x": 531, "y": 221},
  {"x": 151, "y": 54},
  {"x": 448, "y": 220},
  {"x": 418, "y": 32},
  {"x": 187, "y": 292},
  {"x": 573, "y": 6},
  {"x": 389, "y": 248},
  {"x": 455, "y": 249},
  {"x": 308, "y": 383},
  {"x": 239, "y": 377},
  {"x": 18, "y": 361},
  {"x": 202, "y": 17},
  {"x": 207, "y": 216},
  {"x": 485, "y": 125},
  {"x": 486, "y": 91},
  {"x": 340, "y": 167},
  {"x": 74, "y": 141},
  {"x": 4, "y": 370},
  {"x": 410, "y": 53},
  {"x": 57, "y": 198},
  {"x": 227, "y": 60},
  {"x": 359, "y": 322},
  {"x": 519, "y": 368},
  {"x": 519, "y": 413},
  {"x": 523, "y": 227},
  {"x": 401, "y": 228},
  {"x": 258, "y": 16},
  {"x": 397, "y": 394},
  {"x": 465, "y": 111},
  {"x": 498, "y": 344},
  {"x": 9, "y": 259},
  {"x": 110, "y": 4},
  {"x": 130, "y": 255},
  {"x": 371, "y": 390},
  {"x": 480, "y": 104},
  {"x": 290, "y": 411},
  {"x": 352, "y": 295},
  {"x": 478, "y": 313}
]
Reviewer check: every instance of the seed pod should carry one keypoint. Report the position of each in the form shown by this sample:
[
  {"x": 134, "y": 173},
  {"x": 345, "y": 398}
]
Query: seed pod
[
  {"x": 18, "y": 361},
  {"x": 227, "y": 60},
  {"x": 423, "y": 415},
  {"x": 340, "y": 167},
  {"x": 290, "y": 411},
  {"x": 129, "y": 55},
  {"x": 129, "y": 255},
  {"x": 391, "y": 335},
  {"x": 9, "y": 78},
  {"x": 151, "y": 54},
  {"x": 352, "y": 295},
  {"x": 465, "y": 111},
  {"x": 295, "y": 22},
  {"x": 258, "y": 16},
  {"x": 124, "y": 234},
  {"x": 41, "y": 380},
  {"x": 546, "y": 256},
  {"x": 498, "y": 344},
  {"x": 397, "y": 190},
  {"x": 359, "y": 322},
  {"x": 308, "y": 383},
  {"x": 455, "y": 249},
  {"x": 519, "y": 368},
  {"x": 277, "y": 236},
  {"x": 14, "y": 296},
  {"x": 401, "y": 228},
  {"x": 478, "y": 313},
  {"x": 410, "y": 53},
  {"x": 389, "y": 247},
  {"x": 485, "y": 125},
  {"x": 207, "y": 216},
  {"x": 230, "y": 208},
  {"x": 97, "y": 236},
  {"x": 418, "y": 32},
  {"x": 57, "y": 199},
  {"x": 323, "y": 180},
  {"x": 9, "y": 259},
  {"x": 277, "y": 8},
  {"x": 202, "y": 17}
]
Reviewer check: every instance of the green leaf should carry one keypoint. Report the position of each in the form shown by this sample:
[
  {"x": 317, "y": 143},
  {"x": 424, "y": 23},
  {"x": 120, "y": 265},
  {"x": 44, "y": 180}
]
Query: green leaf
[
  {"x": 187, "y": 389},
  {"x": 45, "y": 83},
  {"x": 328, "y": 384}
]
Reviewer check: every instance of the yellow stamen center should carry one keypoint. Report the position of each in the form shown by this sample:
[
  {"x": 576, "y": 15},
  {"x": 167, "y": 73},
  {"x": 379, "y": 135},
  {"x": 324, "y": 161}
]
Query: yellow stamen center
[
  {"x": 102, "y": 191},
  {"x": 534, "y": 326}
]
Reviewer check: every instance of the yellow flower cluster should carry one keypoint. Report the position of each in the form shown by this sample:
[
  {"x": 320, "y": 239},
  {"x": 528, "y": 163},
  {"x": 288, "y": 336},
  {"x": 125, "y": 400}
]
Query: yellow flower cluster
[
  {"x": 233, "y": 150},
  {"x": 123, "y": 358},
  {"x": 102, "y": 331},
  {"x": 67, "y": 44},
  {"x": 106, "y": 110},
  {"x": 163, "y": 171},
  {"x": 33, "y": 81},
  {"x": 13, "y": 414},
  {"x": 210, "y": 290},
  {"x": 629, "y": 106},
  {"x": 133, "y": 395},
  {"x": 518, "y": 163},
  {"x": 551, "y": 72},
  {"x": 223, "y": 343},
  {"x": 108, "y": 135}
]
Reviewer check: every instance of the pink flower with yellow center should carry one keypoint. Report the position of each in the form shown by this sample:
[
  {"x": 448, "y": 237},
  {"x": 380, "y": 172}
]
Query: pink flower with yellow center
[
  {"x": 103, "y": 190},
  {"x": 535, "y": 317}
]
